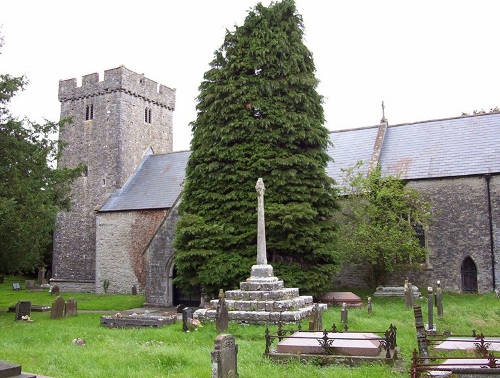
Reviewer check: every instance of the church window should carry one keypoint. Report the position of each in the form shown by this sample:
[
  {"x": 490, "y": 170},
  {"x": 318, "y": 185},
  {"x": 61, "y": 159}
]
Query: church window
[
  {"x": 420, "y": 234},
  {"x": 89, "y": 112},
  {"x": 147, "y": 115}
]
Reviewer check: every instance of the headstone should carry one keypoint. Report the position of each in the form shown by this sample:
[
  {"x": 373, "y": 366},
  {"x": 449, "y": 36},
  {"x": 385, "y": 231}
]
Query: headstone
[
  {"x": 41, "y": 275},
  {"x": 57, "y": 310},
  {"x": 23, "y": 308},
  {"x": 29, "y": 284},
  {"x": 16, "y": 286},
  {"x": 54, "y": 290},
  {"x": 439, "y": 299},
  {"x": 316, "y": 322},
  {"x": 222, "y": 314},
  {"x": 224, "y": 357},
  {"x": 70, "y": 307},
  {"x": 430, "y": 310},
  {"x": 187, "y": 315},
  {"x": 343, "y": 313},
  {"x": 369, "y": 305},
  {"x": 421, "y": 333},
  {"x": 134, "y": 290}
]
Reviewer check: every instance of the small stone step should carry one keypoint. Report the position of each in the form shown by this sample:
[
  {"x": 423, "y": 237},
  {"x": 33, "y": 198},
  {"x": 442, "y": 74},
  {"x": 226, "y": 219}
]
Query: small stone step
[
  {"x": 8, "y": 370},
  {"x": 274, "y": 295}
]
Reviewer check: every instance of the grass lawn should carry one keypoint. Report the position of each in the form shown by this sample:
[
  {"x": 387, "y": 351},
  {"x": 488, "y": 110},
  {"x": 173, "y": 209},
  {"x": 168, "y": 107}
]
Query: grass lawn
[{"x": 44, "y": 345}]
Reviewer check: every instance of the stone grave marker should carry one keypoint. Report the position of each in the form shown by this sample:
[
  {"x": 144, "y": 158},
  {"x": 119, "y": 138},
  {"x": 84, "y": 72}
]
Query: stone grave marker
[
  {"x": 224, "y": 357},
  {"x": 343, "y": 313},
  {"x": 369, "y": 305},
  {"x": 23, "y": 308},
  {"x": 55, "y": 290},
  {"x": 57, "y": 310},
  {"x": 41, "y": 276},
  {"x": 187, "y": 315},
  {"x": 421, "y": 333},
  {"x": 134, "y": 290},
  {"x": 439, "y": 299},
  {"x": 316, "y": 322},
  {"x": 70, "y": 307},
  {"x": 16, "y": 286},
  {"x": 430, "y": 327},
  {"x": 29, "y": 284},
  {"x": 222, "y": 314}
]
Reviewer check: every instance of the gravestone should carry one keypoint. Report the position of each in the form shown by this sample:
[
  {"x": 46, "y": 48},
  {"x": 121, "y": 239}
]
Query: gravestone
[
  {"x": 54, "y": 290},
  {"x": 187, "y": 315},
  {"x": 23, "y": 308},
  {"x": 16, "y": 286},
  {"x": 29, "y": 284},
  {"x": 369, "y": 305},
  {"x": 222, "y": 314},
  {"x": 70, "y": 307},
  {"x": 343, "y": 314},
  {"x": 439, "y": 299},
  {"x": 316, "y": 322},
  {"x": 41, "y": 276},
  {"x": 224, "y": 357},
  {"x": 134, "y": 290},
  {"x": 421, "y": 333},
  {"x": 430, "y": 327},
  {"x": 57, "y": 310}
]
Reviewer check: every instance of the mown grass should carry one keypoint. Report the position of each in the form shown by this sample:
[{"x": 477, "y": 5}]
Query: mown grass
[{"x": 44, "y": 346}]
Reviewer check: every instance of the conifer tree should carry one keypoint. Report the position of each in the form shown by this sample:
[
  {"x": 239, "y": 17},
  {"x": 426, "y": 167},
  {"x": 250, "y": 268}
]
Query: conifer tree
[{"x": 258, "y": 115}]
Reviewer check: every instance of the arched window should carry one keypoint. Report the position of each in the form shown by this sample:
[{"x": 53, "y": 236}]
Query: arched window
[{"x": 469, "y": 276}]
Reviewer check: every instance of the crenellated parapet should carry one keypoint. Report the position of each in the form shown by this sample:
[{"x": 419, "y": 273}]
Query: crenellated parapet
[{"x": 119, "y": 79}]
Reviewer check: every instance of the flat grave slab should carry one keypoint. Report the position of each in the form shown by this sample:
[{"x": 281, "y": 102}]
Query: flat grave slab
[
  {"x": 471, "y": 366},
  {"x": 467, "y": 343},
  {"x": 131, "y": 321},
  {"x": 11, "y": 370},
  {"x": 350, "y": 344},
  {"x": 339, "y": 297}
]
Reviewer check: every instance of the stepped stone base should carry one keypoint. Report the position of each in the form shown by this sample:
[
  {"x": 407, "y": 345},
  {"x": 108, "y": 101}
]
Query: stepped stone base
[{"x": 262, "y": 299}]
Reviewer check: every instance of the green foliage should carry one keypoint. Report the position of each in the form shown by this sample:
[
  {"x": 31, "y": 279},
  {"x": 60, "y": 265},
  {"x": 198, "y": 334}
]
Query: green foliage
[
  {"x": 259, "y": 115},
  {"x": 31, "y": 190},
  {"x": 378, "y": 219}
]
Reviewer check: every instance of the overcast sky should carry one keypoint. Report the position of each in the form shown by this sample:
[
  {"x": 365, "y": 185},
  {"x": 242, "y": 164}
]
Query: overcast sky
[{"x": 424, "y": 59}]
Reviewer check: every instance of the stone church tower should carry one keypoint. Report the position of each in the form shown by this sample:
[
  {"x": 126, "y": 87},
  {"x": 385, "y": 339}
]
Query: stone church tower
[{"x": 115, "y": 121}]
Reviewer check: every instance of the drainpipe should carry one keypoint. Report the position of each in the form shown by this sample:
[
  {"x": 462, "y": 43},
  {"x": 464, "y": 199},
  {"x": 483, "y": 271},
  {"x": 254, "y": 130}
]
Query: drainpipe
[{"x": 487, "y": 178}]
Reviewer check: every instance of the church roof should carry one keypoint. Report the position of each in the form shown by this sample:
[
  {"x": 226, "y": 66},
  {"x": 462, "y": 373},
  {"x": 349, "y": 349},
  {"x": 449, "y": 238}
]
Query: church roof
[
  {"x": 156, "y": 184},
  {"x": 453, "y": 147}
]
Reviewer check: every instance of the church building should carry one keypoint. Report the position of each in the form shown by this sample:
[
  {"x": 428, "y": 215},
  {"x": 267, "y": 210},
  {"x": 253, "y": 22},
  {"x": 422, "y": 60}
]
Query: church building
[{"x": 118, "y": 235}]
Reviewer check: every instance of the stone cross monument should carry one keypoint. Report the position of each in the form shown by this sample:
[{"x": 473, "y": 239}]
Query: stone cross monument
[{"x": 261, "y": 228}]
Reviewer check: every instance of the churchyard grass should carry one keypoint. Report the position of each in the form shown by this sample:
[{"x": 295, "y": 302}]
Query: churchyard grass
[{"x": 44, "y": 346}]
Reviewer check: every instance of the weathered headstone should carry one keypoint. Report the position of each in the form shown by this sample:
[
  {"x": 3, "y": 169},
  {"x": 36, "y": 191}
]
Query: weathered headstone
[
  {"x": 57, "y": 310},
  {"x": 29, "y": 284},
  {"x": 439, "y": 299},
  {"x": 70, "y": 307},
  {"x": 41, "y": 275},
  {"x": 421, "y": 333},
  {"x": 222, "y": 313},
  {"x": 343, "y": 314},
  {"x": 54, "y": 290},
  {"x": 187, "y": 315},
  {"x": 316, "y": 322},
  {"x": 23, "y": 308},
  {"x": 430, "y": 310},
  {"x": 16, "y": 286},
  {"x": 134, "y": 290},
  {"x": 369, "y": 305},
  {"x": 225, "y": 357}
]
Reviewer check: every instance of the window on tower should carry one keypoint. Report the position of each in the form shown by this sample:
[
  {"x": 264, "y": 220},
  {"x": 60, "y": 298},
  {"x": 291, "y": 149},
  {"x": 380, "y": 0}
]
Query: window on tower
[
  {"x": 147, "y": 115},
  {"x": 89, "y": 112}
]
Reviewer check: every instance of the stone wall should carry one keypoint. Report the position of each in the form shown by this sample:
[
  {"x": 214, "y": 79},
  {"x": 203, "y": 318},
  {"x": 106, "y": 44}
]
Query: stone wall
[
  {"x": 460, "y": 228},
  {"x": 159, "y": 262},
  {"x": 111, "y": 144},
  {"x": 122, "y": 238}
]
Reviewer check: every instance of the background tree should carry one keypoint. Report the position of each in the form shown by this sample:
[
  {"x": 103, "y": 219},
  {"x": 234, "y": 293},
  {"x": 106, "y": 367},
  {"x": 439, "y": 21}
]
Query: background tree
[
  {"x": 380, "y": 220},
  {"x": 32, "y": 191},
  {"x": 259, "y": 115}
]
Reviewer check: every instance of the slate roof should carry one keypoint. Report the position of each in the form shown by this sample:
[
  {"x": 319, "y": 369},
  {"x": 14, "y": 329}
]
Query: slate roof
[
  {"x": 156, "y": 184},
  {"x": 440, "y": 148},
  {"x": 451, "y": 147}
]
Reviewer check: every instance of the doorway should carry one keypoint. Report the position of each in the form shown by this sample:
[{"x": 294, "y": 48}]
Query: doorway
[
  {"x": 183, "y": 298},
  {"x": 469, "y": 276}
]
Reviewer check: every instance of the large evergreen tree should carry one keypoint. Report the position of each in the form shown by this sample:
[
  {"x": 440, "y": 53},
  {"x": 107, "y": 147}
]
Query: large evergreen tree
[
  {"x": 32, "y": 191},
  {"x": 259, "y": 115}
]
